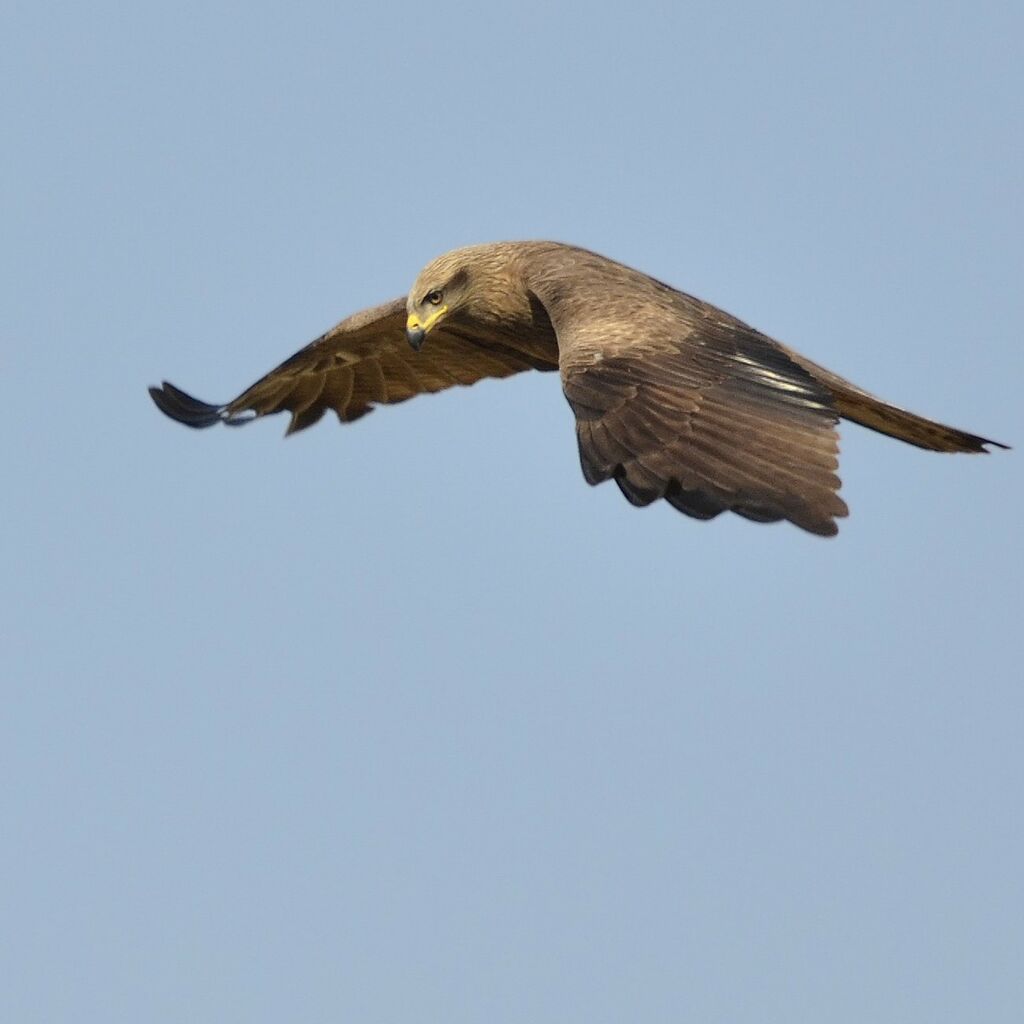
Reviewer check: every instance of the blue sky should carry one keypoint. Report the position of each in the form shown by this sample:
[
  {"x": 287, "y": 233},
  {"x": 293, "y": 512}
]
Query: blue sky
[{"x": 403, "y": 721}]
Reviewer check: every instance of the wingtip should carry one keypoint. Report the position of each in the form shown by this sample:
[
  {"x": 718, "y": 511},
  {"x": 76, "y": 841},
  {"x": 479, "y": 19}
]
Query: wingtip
[
  {"x": 183, "y": 408},
  {"x": 972, "y": 444}
]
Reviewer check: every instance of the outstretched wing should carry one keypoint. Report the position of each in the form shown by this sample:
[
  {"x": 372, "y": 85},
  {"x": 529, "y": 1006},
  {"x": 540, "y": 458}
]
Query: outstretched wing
[
  {"x": 365, "y": 360},
  {"x": 706, "y": 413}
]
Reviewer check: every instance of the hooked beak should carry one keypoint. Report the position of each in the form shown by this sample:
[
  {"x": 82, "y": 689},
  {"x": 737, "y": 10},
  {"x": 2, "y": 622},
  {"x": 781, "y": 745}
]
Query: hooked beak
[
  {"x": 416, "y": 329},
  {"x": 415, "y": 332}
]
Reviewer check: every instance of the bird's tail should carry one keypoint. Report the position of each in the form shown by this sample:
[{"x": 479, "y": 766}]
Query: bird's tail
[
  {"x": 863, "y": 408},
  {"x": 907, "y": 426}
]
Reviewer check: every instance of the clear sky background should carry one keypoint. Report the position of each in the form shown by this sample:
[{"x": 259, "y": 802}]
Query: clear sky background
[{"x": 403, "y": 722}]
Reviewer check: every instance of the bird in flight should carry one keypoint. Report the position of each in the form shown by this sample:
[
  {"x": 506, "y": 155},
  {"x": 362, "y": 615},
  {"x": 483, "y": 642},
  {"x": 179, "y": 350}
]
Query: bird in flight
[{"x": 673, "y": 398}]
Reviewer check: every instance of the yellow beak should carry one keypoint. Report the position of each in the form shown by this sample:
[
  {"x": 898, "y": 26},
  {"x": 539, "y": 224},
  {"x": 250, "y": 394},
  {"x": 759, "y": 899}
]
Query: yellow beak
[{"x": 416, "y": 329}]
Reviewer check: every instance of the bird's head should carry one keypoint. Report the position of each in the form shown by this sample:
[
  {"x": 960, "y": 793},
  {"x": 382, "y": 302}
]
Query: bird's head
[
  {"x": 465, "y": 285},
  {"x": 437, "y": 294}
]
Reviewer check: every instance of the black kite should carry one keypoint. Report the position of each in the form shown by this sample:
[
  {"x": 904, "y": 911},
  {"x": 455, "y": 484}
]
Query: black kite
[{"x": 673, "y": 398}]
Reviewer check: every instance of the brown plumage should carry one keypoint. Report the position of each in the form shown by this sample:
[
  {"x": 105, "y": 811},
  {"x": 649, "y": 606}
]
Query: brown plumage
[{"x": 673, "y": 398}]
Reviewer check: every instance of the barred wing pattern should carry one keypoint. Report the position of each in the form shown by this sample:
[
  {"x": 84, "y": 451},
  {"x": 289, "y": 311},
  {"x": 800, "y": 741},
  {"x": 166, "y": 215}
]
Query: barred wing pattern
[
  {"x": 362, "y": 362},
  {"x": 721, "y": 420}
]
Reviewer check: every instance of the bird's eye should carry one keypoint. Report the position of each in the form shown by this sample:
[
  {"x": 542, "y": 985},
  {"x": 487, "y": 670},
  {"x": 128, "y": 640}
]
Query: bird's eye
[{"x": 434, "y": 297}]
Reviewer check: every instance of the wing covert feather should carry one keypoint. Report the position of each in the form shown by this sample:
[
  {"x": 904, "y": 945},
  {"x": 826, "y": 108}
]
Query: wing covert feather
[
  {"x": 363, "y": 361},
  {"x": 717, "y": 418}
]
